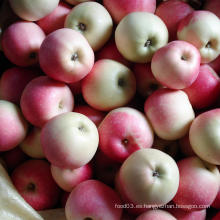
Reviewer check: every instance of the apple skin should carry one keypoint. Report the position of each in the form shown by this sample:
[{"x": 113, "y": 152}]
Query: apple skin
[
  {"x": 34, "y": 10},
  {"x": 34, "y": 182},
  {"x": 43, "y": 98},
  {"x": 215, "y": 64},
  {"x": 217, "y": 216},
  {"x": 204, "y": 136},
  {"x": 205, "y": 90},
  {"x": 213, "y": 6},
  {"x": 185, "y": 146},
  {"x": 142, "y": 39},
  {"x": 31, "y": 144},
  {"x": 199, "y": 184},
  {"x": 146, "y": 82},
  {"x": 120, "y": 8},
  {"x": 14, "y": 158},
  {"x": 166, "y": 11},
  {"x": 75, "y": 2},
  {"x": 95, "y": 115},
  {"x": 21, "y": 43},
  {"x": 75, "y": 146},
  {"x": 156, "y": 215},
  {"x": 202, "y": 29},
  {"x": 93, "y": 21},
  {"x": 181, "y": 61},
  {"x": 175, "y": 110},
  {"x": 110, "y": 51},
  {"x": 65, "y": 55},
  {"x": 216, "y": 202},
  {"x": 123, "y": 131},
  {"x": 55, "y": 20},
  {"x": 10, "y": 89},
  {"x": 93, "y": 199},
  {"x": 145, "y": 165},
  {"x": 13, "y": 126},
  {"x": 109, "y": 85},
  {"x": 68, "y": 179}
]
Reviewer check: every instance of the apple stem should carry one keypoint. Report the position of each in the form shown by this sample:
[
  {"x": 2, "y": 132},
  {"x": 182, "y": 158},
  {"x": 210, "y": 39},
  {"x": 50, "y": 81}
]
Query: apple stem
[
  {"x": 74, "y": 57},
  {"x": 148, "y": 43},
  {"x": 155, "y": 174}
]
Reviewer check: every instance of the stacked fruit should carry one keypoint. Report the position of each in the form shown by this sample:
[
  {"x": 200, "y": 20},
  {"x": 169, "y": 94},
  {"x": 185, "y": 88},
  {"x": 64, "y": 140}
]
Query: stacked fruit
[{"x": 110, "y": 109}]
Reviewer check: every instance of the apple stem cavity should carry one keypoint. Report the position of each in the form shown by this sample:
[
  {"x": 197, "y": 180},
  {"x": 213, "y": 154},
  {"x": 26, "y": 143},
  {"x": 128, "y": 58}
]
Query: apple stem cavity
[
  {"x": 33, "y": 55},
  {"x": 121, "y": 82},
  {"x": 74, "y": 57},
  {"x": 82, "y": 27},
  {"x": 31, "y": 187},
  {"x": 155, "y": 174},
  {"x": 148, "y": 43},
  {"x": 208, "y": 45},
  {"x": 125, "y": 142}
]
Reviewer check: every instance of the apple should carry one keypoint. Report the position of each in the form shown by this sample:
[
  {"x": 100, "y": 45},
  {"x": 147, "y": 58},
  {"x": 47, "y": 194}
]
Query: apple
[
  {"x": 13, "y": 126},
  {"x": 215, "y": 64},
  {"x": 213, "y": 6},
  {"x": 185, "y": 146},
  {"x": 217, "y": 216},
  {"x": 13, "y": 158},
  {"x": 34, "y": 182},
  {"x": 93, "y": 199},
  {"x": 34, "y": 10},
  {"x": 109, "y": 85},
  {"x": 105, "y": 169},
  {"x": 43, "y": 98},
  {"x": 205, "y": 90},
  {"x": 204, "y": 136},
  {"x": 169, "y": 112},
  {"x": 67, "y": 179},
  {"x": 123, "y": 131},
  {"x": 172, "y": 12},
  {"x": 148, "y": 178},
  {"x": 156, "y": 215},
  {"x": 110, "y": 51},
  {"x": 216, "y": 202},
  {"x": 93, "y": 21},
  {"x": 146, "y": 82},
  {"x": 69, "y": 140},
  {"x": 181, "y": 60},
  {"x": 21, "y": 43},
  {"x": 202, "y": 29},
  {"x": 75, "y": 2},
  {"x": 55, "y": 20},
  {"x": 199, "y": 184},
  {"x": 95, "y": 115},
  {"x": 142, "y": 39},
  {"x": 51, "y": 214},
  {"x": 31, "y": 144},
  {"x": 10, "y": 89},
  {"x": 120, "y": 8},
  {"x": 65, "y": 55}
]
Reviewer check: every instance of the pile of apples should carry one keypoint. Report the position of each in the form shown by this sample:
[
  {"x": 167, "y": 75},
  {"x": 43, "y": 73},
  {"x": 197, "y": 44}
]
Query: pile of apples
[{"x": 110, "y": 109}]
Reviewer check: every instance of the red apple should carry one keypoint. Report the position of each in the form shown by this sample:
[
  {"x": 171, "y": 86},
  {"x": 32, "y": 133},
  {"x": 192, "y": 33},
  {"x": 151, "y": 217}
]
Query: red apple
[
  {"x": 21, "y": 43},
  {"x": 156, "y": 215},
  {"x": 34, "y": 182},
  {"x": 213, "y": 6},
  {"x": 43, "y": 98}
]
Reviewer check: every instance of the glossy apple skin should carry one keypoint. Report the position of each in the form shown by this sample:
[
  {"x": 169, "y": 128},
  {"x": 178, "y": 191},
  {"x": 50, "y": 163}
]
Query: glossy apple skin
[
  {"x": 68, "y": 179},
  {"x": 10, "y": 89},
  {"x": 34, "y": 182},
  {"x": 156, "y": 215},
  {"x": 123, "y": 131},
  {"x": 216, "y": 202},
  {"x": 21, "y": 43},
  {"x": 120, "y": 8},
  {"x": 205, "y": 90},
  {"x": 213, "y": 6},
  {"x": 31, "y": 145},
  {"x": 181, "y": 61},
  {"x": 199, "y": 184},
  {"x": 110, "y": 51},
  {"x": 204, "y": 136},
  {"x": 141, "y": 40},
  {"x": 202, "y": 29},
  {"x": 97, "y": 23},
  {"x": 102, "y": 200},
  {"x": 65, "y": 55},
  {"x": 54, "y": 20},
  {"x": 43, "y": 98},
  {"x": 143, "y": 165},
  {"x": 172, "y": 12},
  {"x": 33, "y": 11},
  {"x": 13, "y": 126},
  {"x": 109, "y": 85},
  {"x": 93, "y": 114},
  {"x": 175, "y": 110},
  {"x": 146, "y": 82},
  {"x": 75, "y": 146}
]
